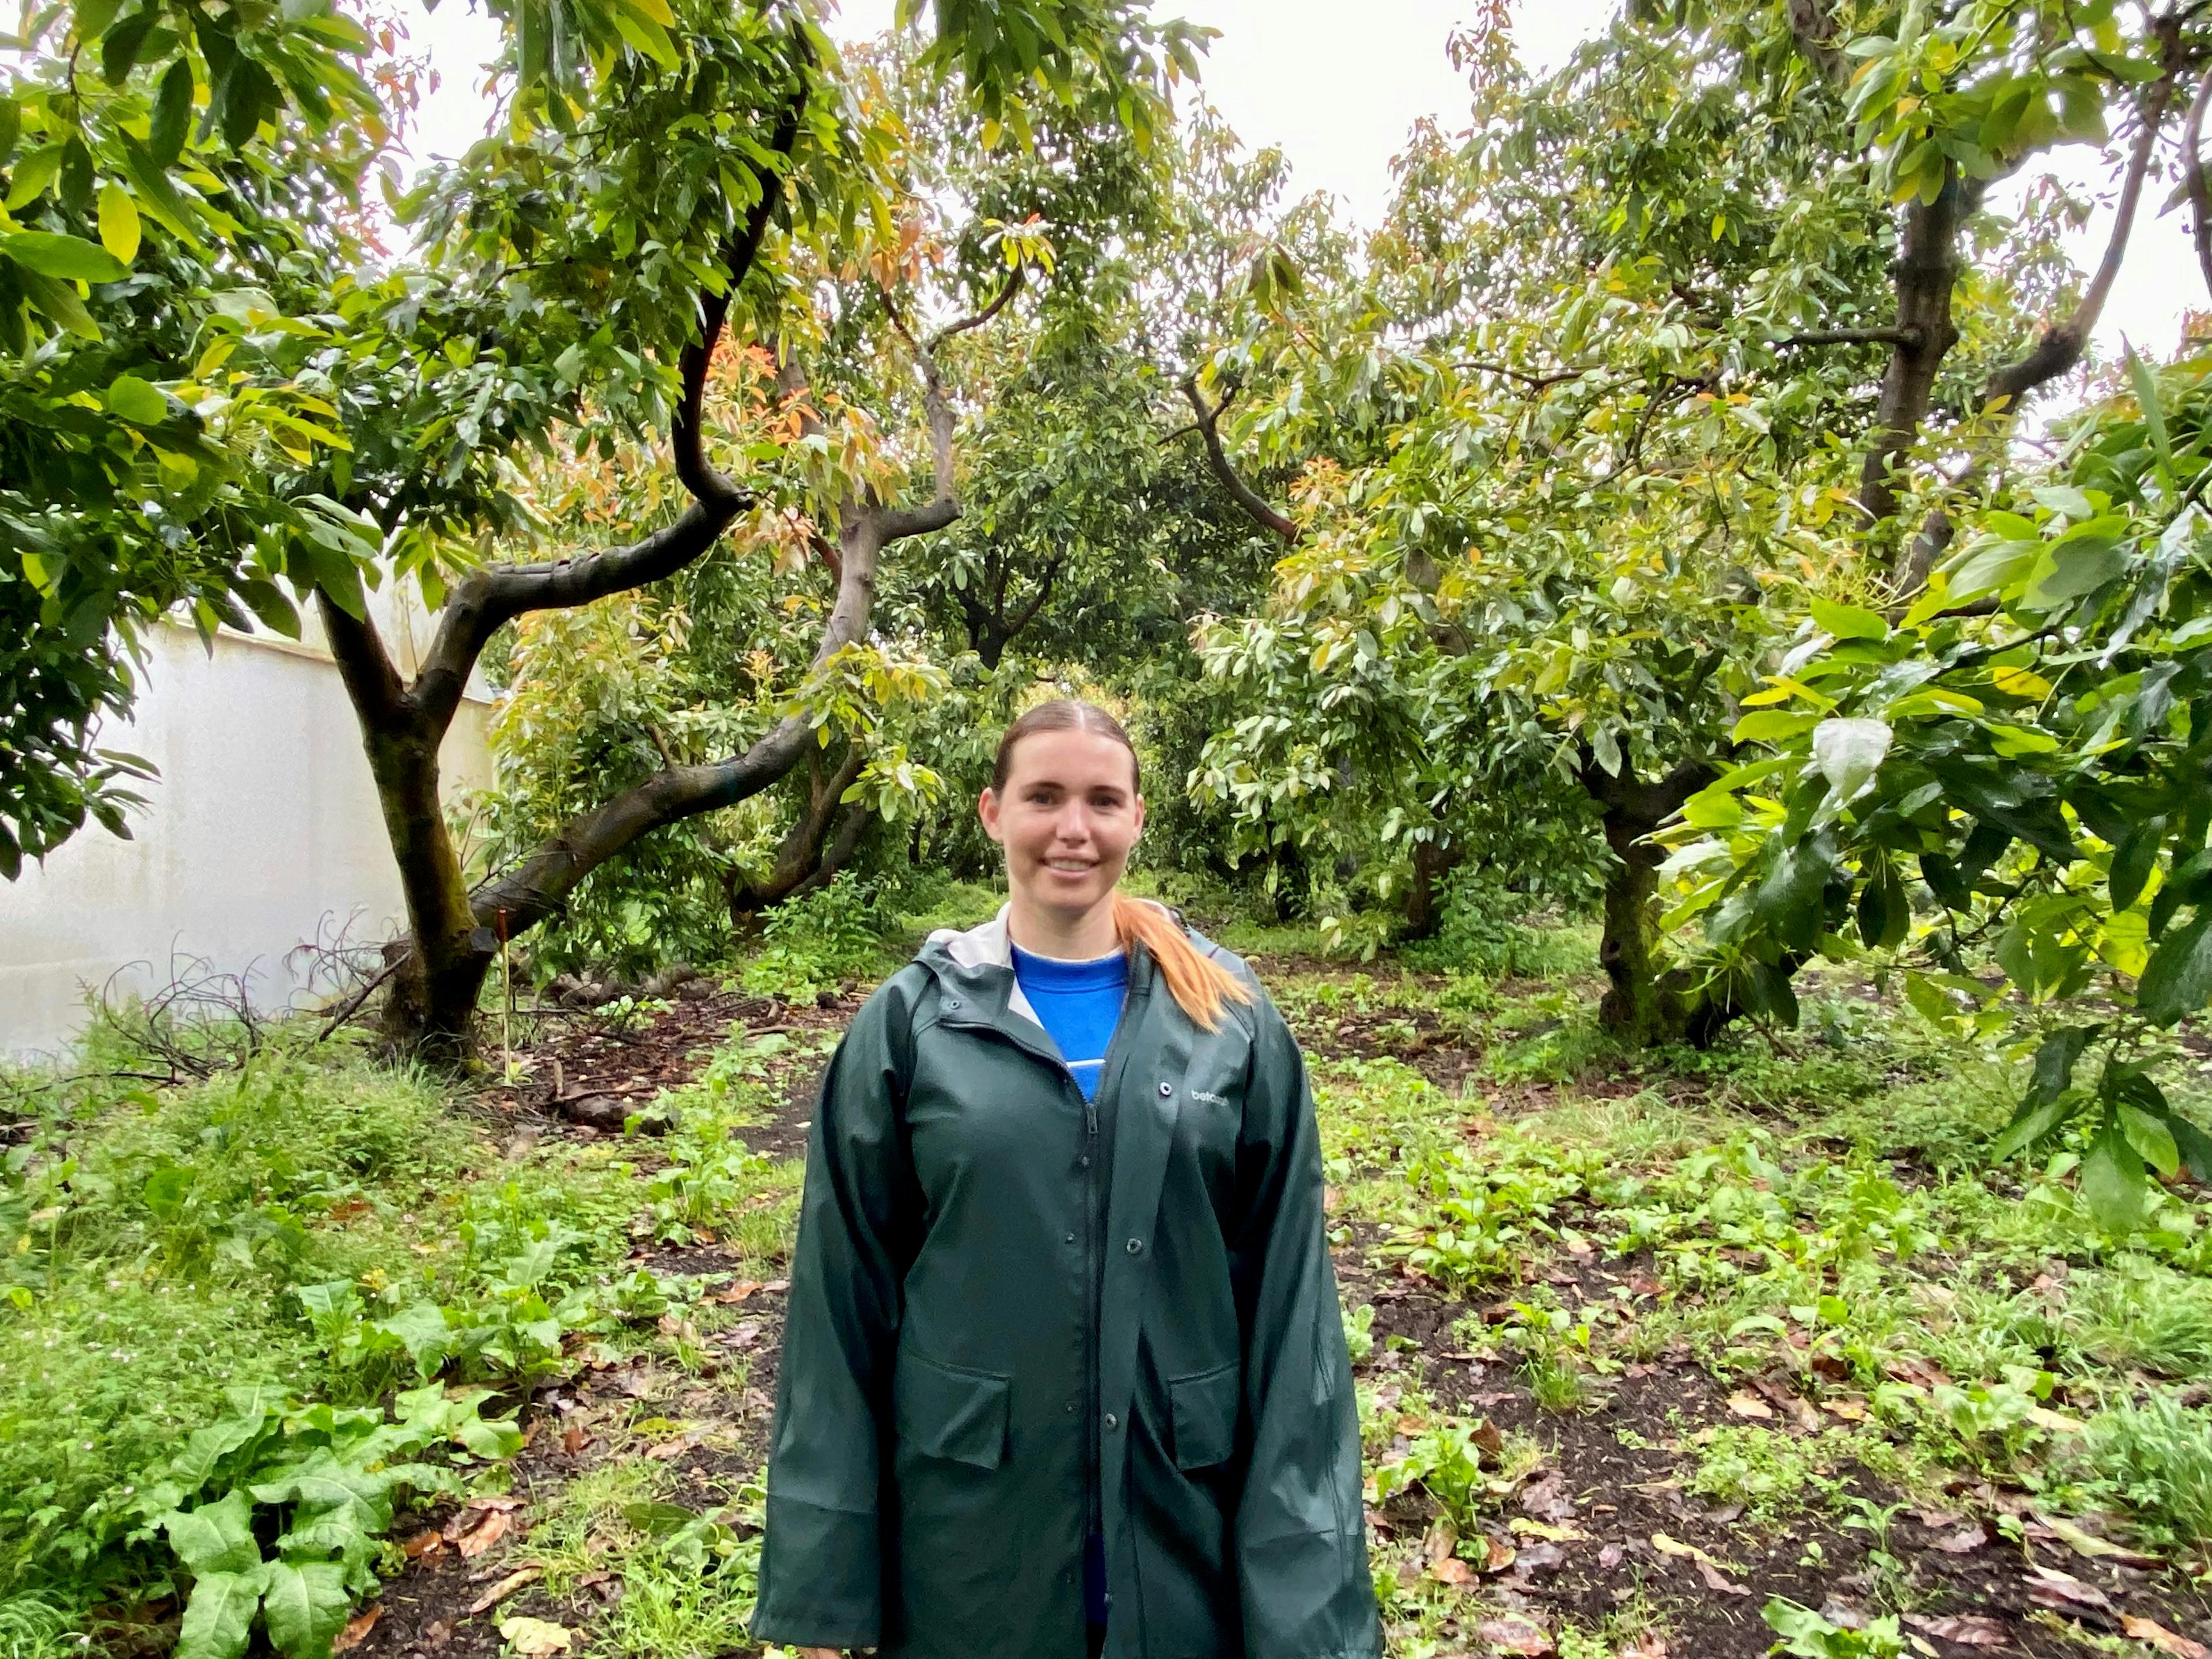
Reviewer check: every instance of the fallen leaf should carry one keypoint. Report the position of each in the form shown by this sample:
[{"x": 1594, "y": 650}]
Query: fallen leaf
[
  {"x": 437, "y": 1632},
  {"x": 1968, "y": 1630},
  {"x": 481, "y": 1537},
  {"x": 505, "y": 1587},
  {"x": 1912, "y": 1369},
  {"x": 1718, "y": 1581},
  {"x": 573, "y": 1439},
  {"x": 1749, "y": 1405},
  {"x": 1563, "y": 1534},
  {"x": 670, "y": 1448},
  {"x": 1497, "y": 1553},
  {"x": 1936, "y": 1519},
  {"x": 1511, "y": 1634},
  {"x": 2056, "y": 1422},
  {"x": 2150, "y": 1631},
  {"x": 425, "y": 1543},
  {"x": 1440, "y": 1540},
  {"x": 1548, "y": 1499},
  {"x": 1848, "y": 1411},
  {"x": 1644, "y": 1647},
  {"x": 1644, "y": 1285},
  {"x": 1451, "y": 1571},
  {"x": 1609, "y": 1557},
  {"x": 1675, "y": 1547},
  {"x": 2084, "y": 1542},
  {"x": 1488, "y": 1439},
  {"x": 535, "y": 1638},
  {"x": 734, "y": 1292},
  {"x": 356, "y": 1630},
  {"x": 1540, "y": 1557},
  {"x": 1965, "y": 1541},
  {"x": 2054, "y": 1589},
  {"x": 775, "y": 1287}
]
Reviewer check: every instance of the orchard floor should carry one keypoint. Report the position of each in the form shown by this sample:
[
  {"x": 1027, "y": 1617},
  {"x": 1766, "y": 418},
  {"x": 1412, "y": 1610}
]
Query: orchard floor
[{"x": 1641, "y": 1343}]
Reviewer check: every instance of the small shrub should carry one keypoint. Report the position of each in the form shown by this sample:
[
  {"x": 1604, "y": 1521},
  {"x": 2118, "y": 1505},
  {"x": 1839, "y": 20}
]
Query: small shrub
[{"x": 830, "y": 934}]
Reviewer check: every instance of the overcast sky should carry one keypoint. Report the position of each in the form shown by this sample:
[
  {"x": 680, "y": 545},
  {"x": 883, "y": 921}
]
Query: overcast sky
[{"x": 1338, "y": 86}]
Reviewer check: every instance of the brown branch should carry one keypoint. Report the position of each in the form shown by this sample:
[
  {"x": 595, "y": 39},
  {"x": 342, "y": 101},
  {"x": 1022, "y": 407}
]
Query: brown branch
[
  {"x": 363, "y": 664},
  {"x": 1246, "y": 497},
  {"x": 1534, "y": 382},
  {"x": 687, "y": 432},
  {"x": 1835, "y": 337},
  {"x": 2061, "y": 346},
  {"x": 1014, "y": 281},
  {"x": 2192, "y": 173}
]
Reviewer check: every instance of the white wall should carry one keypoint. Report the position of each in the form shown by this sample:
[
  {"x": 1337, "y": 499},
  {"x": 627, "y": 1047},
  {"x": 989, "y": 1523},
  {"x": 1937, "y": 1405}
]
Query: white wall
[{"x": 262, "y": 829}]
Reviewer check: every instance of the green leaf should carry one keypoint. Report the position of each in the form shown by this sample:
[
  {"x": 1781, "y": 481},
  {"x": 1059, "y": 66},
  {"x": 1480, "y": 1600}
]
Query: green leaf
[
  {"x": 220, "y": 1616},
  {"x": 1773, "y": 725},
  {"x": 2114, "y": 1182},
  {"x": 1850, "y": 621},
  {"x": 2146, "y": 390},
  {"x": 2179, "y": 981},
  {"x": 306, "y": 1606},
  {"x": 2151, "y": 1138},
  {"x": 2194, "y": 1145},
  {"x": 69, "y": 258},
  {"x": 137, "y": 401},
  {"x": 2133, "y": 860},
  {"x": 119, "y": 221},
  {"x": 216, "y": 1538},
  {"x": 173, "y": 115},
  {"x": 658, "y": 1520}
]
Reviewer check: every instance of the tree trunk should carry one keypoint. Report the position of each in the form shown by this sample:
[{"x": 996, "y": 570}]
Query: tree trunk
[
  {"x": 810, "y": 855},
  {"x": 1424, "y": 898},
  {"x": 1639, "y": 1006}
]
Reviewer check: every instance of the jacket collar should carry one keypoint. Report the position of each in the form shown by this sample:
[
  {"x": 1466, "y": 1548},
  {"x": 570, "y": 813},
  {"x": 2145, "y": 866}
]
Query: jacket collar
[{"x": 987, "y": 951}]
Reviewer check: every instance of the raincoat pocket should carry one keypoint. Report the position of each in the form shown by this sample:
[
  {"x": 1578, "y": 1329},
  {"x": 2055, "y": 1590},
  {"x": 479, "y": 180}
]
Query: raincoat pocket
[
  {"x": 944, "y": 1411},
  {"x": 1203, "y": 1408}
]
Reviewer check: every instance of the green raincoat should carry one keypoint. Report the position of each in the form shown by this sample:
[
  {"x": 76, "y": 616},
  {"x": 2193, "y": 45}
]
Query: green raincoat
[{"x": 1014, "y": 1318}]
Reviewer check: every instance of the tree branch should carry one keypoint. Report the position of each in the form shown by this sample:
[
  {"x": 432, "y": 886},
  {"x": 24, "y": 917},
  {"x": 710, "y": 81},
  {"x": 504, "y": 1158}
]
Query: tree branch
[
  {"x": 2061, "y": 346},
  {"x": 1014, "y": 281},
  {"x": 364, "y": 665},
  {"x": 1835, "y": 337},
  {"x": 1534, "y": 382},
  {"x": 687, "y": 432},
  {"x": 1209, "y": 426},
  {"x": 2192, "y": 173}
]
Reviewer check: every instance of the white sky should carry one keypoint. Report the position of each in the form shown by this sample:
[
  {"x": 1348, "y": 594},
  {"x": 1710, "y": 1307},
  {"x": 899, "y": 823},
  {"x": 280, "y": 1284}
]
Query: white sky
[{"x": 1338, "y": 88}]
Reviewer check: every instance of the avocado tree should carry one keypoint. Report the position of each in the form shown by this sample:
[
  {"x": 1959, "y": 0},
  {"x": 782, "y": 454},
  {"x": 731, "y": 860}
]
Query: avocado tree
[
  {"x": 180, "y": 189},
  {"x": 2011, "y": 775}
]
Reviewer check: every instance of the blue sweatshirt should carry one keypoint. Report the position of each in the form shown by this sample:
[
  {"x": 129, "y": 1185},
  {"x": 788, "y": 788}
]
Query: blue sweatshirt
[{"x": 1079, "y": 1003}]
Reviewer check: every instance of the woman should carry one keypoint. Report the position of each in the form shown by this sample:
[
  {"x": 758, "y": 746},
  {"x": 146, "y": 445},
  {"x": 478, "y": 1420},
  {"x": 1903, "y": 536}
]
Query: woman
[{"x": 1064, "y": 1369}]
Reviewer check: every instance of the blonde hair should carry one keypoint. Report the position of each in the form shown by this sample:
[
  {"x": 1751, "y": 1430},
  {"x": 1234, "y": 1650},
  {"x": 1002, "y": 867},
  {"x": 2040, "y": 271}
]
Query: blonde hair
[{"x": 1199, "y": 985}]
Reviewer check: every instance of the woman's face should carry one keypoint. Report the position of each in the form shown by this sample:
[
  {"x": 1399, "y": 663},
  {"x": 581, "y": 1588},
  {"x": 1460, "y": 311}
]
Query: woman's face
[{"x": 1068, "y": 817}]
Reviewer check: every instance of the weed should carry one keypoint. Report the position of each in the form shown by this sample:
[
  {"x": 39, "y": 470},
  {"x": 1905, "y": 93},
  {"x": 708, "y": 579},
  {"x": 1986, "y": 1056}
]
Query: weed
[
  {"x": 1771, "y": 1474},
  {"x": 2142, "y": 1313},
  {"x": 2157, "y": 1456}
]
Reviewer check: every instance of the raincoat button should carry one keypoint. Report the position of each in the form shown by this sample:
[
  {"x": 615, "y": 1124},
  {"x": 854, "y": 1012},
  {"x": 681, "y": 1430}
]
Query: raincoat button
[
  {"x": 1166, "y": 1089},
  {"x": 1071, "y": 1238},
  {"x": 1112, "y": 1421},
  {"x": 952, "y": 1002},
  {"x": 1086, "y": 1160},
  {"x": 1135, "y": 1245}
]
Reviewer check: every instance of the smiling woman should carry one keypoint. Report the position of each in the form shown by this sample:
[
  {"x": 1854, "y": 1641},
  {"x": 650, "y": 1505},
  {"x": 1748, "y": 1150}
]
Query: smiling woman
[{"x": 1065, "y": 1369}]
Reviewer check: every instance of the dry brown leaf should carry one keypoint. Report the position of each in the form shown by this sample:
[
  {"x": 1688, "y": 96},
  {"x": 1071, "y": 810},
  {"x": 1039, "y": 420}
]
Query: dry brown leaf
[
  {"x": 1451, "y": 1571},
  {"x": 1548, "y": 1499},
  {"x": 481, "y": 1537},
  {"x": 2165, "y": 1641},
  {"x": 428, "y": 1542},
  {"x": 1644, "y": 1647},
  {"x": 669, "y": 1448},
  {"x": 2053, "y": 1589},
  {"x": 356, "y": 1630},
  {"x": 1676, "y": 1547},
  {"x": 1912, "y": 1369},
  {"x": 1440, "y": 1540},
  {"x": 437, "y": 1633},
  {"x": 505, "y": 1587},
  {"x": 734, "y": 1292},
  {"x": 1509, "y": 1633},
  {"x": 1562, "y": 1534},
  {"x": 1719, "y": 1582},
  {"x": 1749, "y": 1405},
  {"x": 1969, "y": 1630},
  {"x": 573, "y": 1439},
  {"x": 1965, "y": 1541},
  {"x": 1848, "y": 1411},
  {"x": 535, "y": 1638}
]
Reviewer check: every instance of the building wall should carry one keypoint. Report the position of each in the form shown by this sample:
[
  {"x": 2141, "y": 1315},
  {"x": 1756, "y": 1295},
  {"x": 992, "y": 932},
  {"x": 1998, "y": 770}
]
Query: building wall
[{"x": 262, "y": 831}]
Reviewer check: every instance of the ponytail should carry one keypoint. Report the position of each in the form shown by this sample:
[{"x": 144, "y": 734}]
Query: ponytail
[{"x": 1198, "y": 984}]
